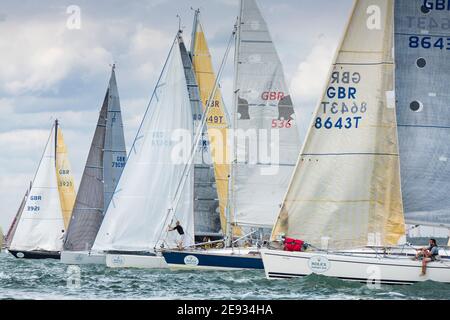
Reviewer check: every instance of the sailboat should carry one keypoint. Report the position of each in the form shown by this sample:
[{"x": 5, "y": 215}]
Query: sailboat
[
  {"x": 38, "y": 231},
  {"x": 345, "y": 196},
  {"x": 254, "y": 189},
  {"x": 104, "y": 165},
  {"x": 138, "y": 214}
]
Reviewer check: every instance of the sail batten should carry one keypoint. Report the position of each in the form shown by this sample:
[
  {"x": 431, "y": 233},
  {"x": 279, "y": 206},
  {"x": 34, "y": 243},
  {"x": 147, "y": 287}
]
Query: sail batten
[{"x": 346, "y": 186}]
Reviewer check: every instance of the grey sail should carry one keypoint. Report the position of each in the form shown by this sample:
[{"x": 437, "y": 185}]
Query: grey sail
[
  {"x": 10, "y": 235},
  {"x": 206, "y": 203},
  {"x": 104, "y": 166},
  {"x": 115, "y": 155},
  {"x": 263, "y": 106},
  {"x": 88, "y": 210},
  {"x": 422, "y": 50}
]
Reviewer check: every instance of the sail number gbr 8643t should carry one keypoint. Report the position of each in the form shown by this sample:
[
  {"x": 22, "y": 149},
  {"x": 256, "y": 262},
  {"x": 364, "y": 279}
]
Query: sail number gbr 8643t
[{"x": 342, "y": 110}]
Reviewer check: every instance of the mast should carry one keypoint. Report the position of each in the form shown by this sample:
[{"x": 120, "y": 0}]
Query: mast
[
  {"x": 56, "y": 138},
  {"x": 170, "y": 212},
  {"x": 231, "y": 198}
]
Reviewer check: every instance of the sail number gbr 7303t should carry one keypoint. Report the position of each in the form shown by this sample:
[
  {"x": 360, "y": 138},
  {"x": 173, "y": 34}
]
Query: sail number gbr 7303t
[{"x": 342, "y": 110}]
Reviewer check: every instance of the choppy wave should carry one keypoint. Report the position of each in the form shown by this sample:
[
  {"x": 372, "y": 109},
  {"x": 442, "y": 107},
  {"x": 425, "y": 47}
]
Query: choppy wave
[{"x": 48, "y": 279}]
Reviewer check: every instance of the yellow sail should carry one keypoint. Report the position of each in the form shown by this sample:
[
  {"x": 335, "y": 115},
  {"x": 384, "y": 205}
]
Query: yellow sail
[
  {"x": 216, "y": 118},
  {"x": 64, "y": 177}
]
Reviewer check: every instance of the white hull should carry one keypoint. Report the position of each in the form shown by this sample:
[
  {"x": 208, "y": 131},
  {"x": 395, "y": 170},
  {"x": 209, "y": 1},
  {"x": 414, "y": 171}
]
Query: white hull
[
  {"x": 354, "y": 267},
  {"x": 82, "y": 257},
  {"x": 135, "y": 261}
]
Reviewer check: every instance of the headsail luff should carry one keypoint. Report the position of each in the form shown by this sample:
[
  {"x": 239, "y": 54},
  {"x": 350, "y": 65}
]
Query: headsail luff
[
  {"x": 206, "y": 204},
  {"x": 13, "y": 227},
  {"x": 346, "y": 185},
  {"x": 264, "y": 111},
  {"x": 89, "y": 206},
  {"x": 66, "y": 186},
  {"x": 423, "y": 114},
  {"x": 217, "y": 122},
  {"x": 41, "y": 223},
  {"x": 134, "y": 220}
]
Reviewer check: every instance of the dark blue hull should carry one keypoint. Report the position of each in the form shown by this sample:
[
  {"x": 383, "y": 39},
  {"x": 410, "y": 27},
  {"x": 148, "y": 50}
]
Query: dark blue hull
[
  {"x": 35, "y": 254},
  {"x": 193, "y": 259}
]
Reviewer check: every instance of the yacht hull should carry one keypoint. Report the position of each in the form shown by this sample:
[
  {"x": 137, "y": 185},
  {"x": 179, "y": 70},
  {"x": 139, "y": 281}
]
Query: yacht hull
[{"x": 370, "y": 269}]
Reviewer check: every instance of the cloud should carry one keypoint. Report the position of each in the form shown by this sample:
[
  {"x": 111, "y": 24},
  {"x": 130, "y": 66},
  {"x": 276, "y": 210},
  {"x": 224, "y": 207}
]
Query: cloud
[
  {"x": 311, "y": 75},
  {"x": 48, "y": 71},
  {"x": 38, "y": 55}
]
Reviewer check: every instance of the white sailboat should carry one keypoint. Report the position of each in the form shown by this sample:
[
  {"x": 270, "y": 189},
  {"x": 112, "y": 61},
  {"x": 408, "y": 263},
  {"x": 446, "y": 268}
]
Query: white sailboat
[
  {"x": 254, "y": 190},
  {"x": 345, "y": 198},
  {"x": 104, "y": 165},
  {"x": 38, "y": 230},
  {"x": 138, "y": 215}
]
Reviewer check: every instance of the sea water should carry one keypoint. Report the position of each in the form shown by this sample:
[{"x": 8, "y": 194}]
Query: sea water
[{"x": 50, "y": 279}]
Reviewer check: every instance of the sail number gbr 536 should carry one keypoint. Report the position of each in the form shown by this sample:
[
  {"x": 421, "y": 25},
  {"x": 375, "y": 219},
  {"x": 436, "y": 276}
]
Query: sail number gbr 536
[{"x": 342, "y": 110}]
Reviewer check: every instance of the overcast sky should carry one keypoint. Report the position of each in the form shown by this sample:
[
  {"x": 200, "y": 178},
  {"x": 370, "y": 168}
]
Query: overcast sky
[{"x": 49, "y": 71}]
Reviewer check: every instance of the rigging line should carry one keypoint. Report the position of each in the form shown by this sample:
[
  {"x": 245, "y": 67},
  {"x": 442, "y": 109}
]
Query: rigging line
[
  {"x": 137, "y": 137},
  {"x": 152, "y": 97},
  {"x": 198, "y": 135}
]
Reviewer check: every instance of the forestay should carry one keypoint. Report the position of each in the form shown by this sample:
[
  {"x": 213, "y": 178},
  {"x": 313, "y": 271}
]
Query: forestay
[
  {"x": 265, "y": 113},
  {"x": 135, "y": 219},
  {"x": 346, "y": 186},
  {"x": 423, "y": 115}
]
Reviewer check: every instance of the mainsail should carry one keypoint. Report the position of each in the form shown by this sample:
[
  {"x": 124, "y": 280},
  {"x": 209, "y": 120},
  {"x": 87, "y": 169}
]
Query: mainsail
[
  {"x": 135, "y": 219},
  {"x": 265, "y": 116},
  {"x": 422, "y": 80},
  {"x": 217, "y": 122},
  {"x": 346, "y": 186},
  {"x": 64, "y": 177},
  {"x": 104, "y": 165},
  {"x": 206, "y": 205},
  {"x": 41, "y": 224}
]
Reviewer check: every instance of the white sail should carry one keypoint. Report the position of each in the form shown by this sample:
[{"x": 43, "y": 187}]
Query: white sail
[
  {"x": 41, "y": 223},
  {"x": 264, "y": 110},
  {"x": 346, "y": 187},
  {"x": 135, "y": 219}
]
